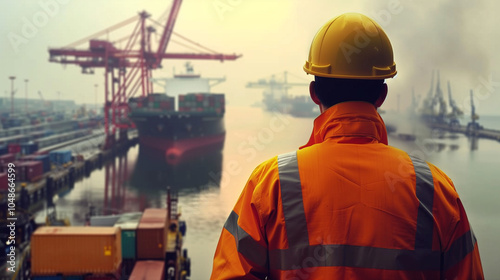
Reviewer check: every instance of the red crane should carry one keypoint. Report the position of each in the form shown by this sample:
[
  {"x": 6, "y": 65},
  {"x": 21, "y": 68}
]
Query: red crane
[{"x": 128, "y": 71}]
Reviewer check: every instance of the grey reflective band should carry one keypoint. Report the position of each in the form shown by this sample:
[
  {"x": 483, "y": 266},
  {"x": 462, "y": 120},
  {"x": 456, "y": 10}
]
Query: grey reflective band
[
  {"x": 291, "y": 198},
  {"x": 245, "y": 244},
  {"x": 354, "y": 256},
  {"x": 425, "y": 195},
  {"x": 459, "y": 249}
]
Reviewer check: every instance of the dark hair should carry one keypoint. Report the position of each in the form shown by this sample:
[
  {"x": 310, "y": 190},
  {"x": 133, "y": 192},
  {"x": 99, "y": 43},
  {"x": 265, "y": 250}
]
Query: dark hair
[{"x": 331, "y": 91}]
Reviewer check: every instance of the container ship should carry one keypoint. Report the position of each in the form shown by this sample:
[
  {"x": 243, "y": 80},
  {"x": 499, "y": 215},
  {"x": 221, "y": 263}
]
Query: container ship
[
  {"x": 184, "y": 129},
  {"x": 276, "y": 97},
  {"x": 298, "y": 106}
]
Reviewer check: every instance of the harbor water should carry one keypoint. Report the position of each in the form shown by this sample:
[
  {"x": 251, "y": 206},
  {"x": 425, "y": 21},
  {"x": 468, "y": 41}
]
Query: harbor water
[{"x": 209, "y": 186}]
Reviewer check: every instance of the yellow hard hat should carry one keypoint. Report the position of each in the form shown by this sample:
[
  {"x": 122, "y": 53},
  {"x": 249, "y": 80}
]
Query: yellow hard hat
[{"x": 351, "y": 46}]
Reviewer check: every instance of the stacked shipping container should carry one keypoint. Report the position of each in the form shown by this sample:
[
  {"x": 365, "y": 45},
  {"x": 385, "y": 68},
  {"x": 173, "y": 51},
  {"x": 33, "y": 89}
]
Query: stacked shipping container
[
  {"x": 4, "y": 166},
  {"x": 4, "y": 149},
  {"x": 4, "y": 183},
  {"x": 202, "y": 102},
  {"x": 153, "y": 102},
  {"x": 29, "y": 171},
  {"x": 6, "y": 159},
  {"x": 152, "y": 235},
  {"x": 76, "y": 251},
  {"x": 25, "y": 171},
  {"x": 128, "y": 224},
  {"x": 14, "y": 148},
  {"x": 45, "y": 162},
  {"x": 191, "y": 102},
  {"x": 60, "y": 157},
  {"x": 44, "y": 159},
  {"x": 29, "y": 148}
]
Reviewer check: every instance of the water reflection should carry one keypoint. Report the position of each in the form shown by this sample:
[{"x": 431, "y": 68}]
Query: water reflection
[
  {"x": 134, "y": 188},
  {"x": 153, "y": 174},
  {"x": 116, "y": 173},
  {"x": 473, "y": 140},
  {"x": 449, "y": 142}
]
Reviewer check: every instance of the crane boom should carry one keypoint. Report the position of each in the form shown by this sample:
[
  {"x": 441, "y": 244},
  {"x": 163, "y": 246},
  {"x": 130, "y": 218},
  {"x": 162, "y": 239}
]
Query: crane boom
[
  {"x": 430, "y": 92},
  {"x": 138, "y": 56},
  {"x": 455, "y": 109},
  {"x": 167, "y": 32}
]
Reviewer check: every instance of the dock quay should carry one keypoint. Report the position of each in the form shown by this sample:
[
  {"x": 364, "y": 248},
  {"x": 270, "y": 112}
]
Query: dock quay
[
  {"x": 31, "y": 196},
  {"x": 469, "y": 131}
]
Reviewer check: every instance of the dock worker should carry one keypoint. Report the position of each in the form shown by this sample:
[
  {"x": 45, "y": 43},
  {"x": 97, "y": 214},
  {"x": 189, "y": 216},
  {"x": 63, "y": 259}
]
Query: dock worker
[
  {"x": 346, "y": 205},
  {"x": 174, "y": 240}
]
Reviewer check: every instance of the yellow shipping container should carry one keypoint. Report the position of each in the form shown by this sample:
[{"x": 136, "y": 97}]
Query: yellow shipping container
[{"x": 75, "y": 250}]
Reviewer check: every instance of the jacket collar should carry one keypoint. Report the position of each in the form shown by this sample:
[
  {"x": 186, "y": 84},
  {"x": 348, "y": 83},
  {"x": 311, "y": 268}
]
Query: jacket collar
[{"x": 347, "y": 121}]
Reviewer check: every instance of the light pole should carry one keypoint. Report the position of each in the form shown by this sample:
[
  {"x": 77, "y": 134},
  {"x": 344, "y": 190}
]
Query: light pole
[
  {"x": 26, "y": 100},
  {"x": 12, "y": 78},
  {"x": 96, "y": 98}
]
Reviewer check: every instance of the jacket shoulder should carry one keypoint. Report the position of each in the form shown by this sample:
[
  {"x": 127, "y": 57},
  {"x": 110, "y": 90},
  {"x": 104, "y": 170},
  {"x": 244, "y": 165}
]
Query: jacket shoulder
[{"x": 442, "y": 180}]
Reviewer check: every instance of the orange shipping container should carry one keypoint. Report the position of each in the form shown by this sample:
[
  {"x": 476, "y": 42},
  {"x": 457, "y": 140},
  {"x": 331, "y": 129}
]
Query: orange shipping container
[
  {"x": 75, "y": 250},
  {"x": 152, "y": 234},
  {"x": 150, "y": 270},
  {"x": 151, "y": 239}
]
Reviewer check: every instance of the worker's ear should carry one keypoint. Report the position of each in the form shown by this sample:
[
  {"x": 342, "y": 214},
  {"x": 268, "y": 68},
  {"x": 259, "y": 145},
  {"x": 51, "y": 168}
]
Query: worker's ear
[
  {"x": 313, "y": 95},
  {"x": 382, "y": 96}
]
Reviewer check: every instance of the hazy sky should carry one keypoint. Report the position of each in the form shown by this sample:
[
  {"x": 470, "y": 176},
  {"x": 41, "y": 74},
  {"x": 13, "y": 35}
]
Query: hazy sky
[{"x": 458, "y": 37}]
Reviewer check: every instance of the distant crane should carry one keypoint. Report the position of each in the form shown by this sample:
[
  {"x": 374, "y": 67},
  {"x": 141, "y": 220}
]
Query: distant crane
[
  {"x": 45, "y": 103},
  {"x": 439, "y": 100},
  {"x": 473, "y": 125},
  {"x": 12, "y": 92},
  {"x": 26, "y": 94},
  {"x": 414, "y": 102},
  {"x": 432, "y": 100},
  {"x": 138, "y": 55},
  {"x": 455, "y": 111},
  {"x": 428, "y": 106}
]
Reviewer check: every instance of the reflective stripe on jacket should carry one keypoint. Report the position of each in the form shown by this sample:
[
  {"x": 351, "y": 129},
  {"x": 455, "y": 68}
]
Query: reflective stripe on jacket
[{"x": 347, "y": 206}]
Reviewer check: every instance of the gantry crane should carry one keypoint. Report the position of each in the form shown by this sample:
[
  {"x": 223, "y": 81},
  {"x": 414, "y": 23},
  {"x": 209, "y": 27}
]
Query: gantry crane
[
  {"x": 432, "y": 100},
  {"x": 138, "y": 55},
  {"x": 439, "y": 100},
  {"x": 427, "y": 106},
  {"x": 456, "y": 112},
  {"x": 473, "y": 126},
  {"x": 45, "y": 103}
]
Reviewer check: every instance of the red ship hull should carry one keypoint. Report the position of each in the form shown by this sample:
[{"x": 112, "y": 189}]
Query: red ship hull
[{"x": 178, "y": 151}]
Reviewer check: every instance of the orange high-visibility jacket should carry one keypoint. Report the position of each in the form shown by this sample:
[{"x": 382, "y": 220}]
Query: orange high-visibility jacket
[{"x": 348, "y": 206}]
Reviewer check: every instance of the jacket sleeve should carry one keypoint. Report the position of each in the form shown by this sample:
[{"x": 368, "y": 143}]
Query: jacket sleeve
[
  {"x": 242, "y": 251},
  {"x": 461, "y": 259},
  {"x": 459, "y": 250}
]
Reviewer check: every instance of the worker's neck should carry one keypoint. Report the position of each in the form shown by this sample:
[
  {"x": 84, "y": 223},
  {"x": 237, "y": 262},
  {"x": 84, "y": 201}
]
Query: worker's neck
[{"x": 323, "y": 107}]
